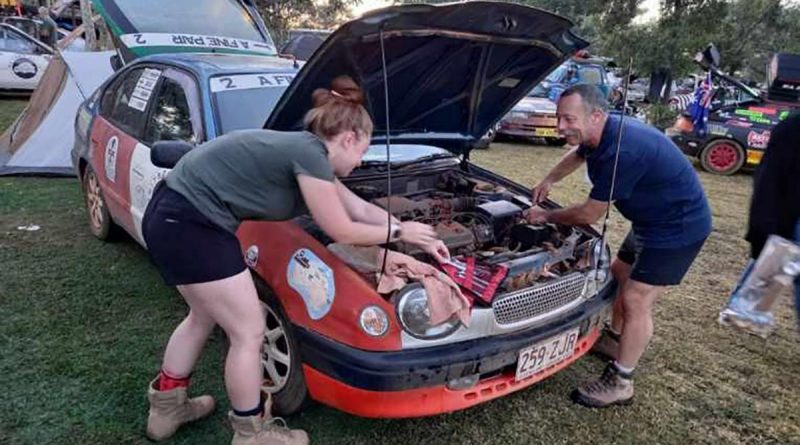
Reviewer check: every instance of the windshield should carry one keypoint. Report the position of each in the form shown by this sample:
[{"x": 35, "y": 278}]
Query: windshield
[
  {"x": 726, "y": 94},
  {"x": 230, "y": 19},
  {"x": 244, "y": 101},
  {"x": 542, "y": 88}
]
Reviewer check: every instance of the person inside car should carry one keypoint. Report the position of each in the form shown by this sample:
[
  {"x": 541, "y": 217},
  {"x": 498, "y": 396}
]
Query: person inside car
[
  {"x": 189, "y": 227},
  {"x": 655, "y": 187}
]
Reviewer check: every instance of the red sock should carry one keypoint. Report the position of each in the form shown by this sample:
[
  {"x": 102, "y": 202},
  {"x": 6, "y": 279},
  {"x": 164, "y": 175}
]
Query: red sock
[{"x": 166, "y": 382}]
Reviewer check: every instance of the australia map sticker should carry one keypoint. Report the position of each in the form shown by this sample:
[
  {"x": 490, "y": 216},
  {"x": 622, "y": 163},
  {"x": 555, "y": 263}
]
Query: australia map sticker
[{"x": 310, "y": 277}]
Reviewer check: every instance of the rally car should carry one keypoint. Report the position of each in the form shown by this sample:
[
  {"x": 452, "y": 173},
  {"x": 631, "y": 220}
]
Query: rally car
[
  {"x": 452, "y": 71},
  {"x": 23, "y": 60},
  {"x": 740, "y": 120}
]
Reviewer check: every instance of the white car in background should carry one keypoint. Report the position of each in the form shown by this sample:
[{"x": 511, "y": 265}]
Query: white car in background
[{"x": 23, "y": 60}]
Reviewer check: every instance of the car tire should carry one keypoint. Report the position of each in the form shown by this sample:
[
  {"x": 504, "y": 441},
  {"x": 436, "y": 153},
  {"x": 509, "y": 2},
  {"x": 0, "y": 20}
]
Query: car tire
[
  {"x": 289, "y": 393},
  {"x": 722, "y": 157},
  {"x": 100, "y": 223}
]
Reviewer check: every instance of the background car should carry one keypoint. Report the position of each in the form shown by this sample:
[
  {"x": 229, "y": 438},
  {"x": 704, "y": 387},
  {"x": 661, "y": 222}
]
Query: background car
[
  {"x": 331, "y": 336},
  {"x": 23, "y": 60},
  {"x": 535, "y": 115}
]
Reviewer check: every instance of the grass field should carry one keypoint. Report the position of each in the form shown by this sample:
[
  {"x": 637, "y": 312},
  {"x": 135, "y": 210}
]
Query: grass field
[{"x": 84, "y": 324}]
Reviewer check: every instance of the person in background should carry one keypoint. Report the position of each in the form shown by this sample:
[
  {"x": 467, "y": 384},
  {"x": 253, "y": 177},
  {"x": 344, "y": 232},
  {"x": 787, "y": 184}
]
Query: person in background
[
  {"x": 775, "y": 204},
  {"x": 48, "y": 30},
  {"x": 657, "y": 189}
]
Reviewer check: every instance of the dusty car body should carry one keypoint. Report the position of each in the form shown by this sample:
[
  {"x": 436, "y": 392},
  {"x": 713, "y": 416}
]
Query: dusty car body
[{"x": 331, "y": 337}]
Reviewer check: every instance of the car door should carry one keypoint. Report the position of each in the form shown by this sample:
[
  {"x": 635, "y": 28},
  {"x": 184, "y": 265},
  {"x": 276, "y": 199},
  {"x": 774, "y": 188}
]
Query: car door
[
  {"x": 175, "y": 115},
  {"x": 22, "y": 60},
  {"x": 115, "y": 134}
]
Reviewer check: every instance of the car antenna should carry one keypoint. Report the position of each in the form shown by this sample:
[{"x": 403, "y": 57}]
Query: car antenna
[
  {"x": 388, "y": 160},
  {"x": 616, "y": 164}
]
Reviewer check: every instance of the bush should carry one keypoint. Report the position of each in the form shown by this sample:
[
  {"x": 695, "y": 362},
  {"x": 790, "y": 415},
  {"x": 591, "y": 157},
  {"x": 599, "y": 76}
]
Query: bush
[{"x": 660, "y": 116}]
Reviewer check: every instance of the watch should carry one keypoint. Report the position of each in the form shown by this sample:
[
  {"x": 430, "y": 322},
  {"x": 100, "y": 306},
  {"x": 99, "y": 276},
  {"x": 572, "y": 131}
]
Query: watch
[{"x": 394, "y": 232}]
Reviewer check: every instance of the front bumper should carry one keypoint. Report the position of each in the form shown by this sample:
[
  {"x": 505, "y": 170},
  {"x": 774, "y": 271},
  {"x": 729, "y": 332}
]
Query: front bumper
[{"x": 414, "y": 383}]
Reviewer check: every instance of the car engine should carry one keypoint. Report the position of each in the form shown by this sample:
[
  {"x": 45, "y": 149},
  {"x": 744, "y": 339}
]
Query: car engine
[{"x": 476, "y": 217}]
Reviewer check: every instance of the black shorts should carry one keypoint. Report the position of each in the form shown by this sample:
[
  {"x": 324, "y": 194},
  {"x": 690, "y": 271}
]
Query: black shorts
[
  {"x": 658, "y": 266},
  {"x": 186, "y": 246}
]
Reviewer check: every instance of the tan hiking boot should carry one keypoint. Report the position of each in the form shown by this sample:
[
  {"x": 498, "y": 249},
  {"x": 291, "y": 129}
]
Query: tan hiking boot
[
  {"x": 264, "y": 430},
  {"x": 171, "y": 409},
  {"x": 607, "y": 346},
  {"x": 610, "y": 389}
]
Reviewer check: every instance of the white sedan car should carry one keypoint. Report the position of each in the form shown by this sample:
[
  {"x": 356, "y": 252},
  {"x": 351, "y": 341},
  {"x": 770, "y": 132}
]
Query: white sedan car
[{"x": 23, "y": 60}]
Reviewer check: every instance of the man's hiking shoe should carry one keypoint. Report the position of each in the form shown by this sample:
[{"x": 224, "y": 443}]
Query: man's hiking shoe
[{"x": 610, "y": 389}]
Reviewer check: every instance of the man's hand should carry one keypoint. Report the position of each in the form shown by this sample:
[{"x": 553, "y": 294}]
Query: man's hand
[
  {"x": 540, "y": 192},
  {"x": 536, "y": 215}
]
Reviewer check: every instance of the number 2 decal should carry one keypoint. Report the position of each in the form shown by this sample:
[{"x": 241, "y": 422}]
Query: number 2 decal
[
  {"x": 140, "y": 39},
  {"x": 228, "y": 82}
]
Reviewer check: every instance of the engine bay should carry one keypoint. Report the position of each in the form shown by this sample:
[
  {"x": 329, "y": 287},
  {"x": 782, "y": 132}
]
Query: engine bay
[{"x": 476, "y": 217}]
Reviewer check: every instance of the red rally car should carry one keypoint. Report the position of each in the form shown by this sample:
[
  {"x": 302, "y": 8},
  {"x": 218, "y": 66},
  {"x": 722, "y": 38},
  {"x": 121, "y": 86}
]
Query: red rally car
[{"x": 451, "y": 72}]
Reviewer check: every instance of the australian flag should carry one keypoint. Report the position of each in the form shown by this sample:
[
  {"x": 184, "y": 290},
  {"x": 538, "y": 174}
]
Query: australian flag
[{"x": 701, "y": 104}]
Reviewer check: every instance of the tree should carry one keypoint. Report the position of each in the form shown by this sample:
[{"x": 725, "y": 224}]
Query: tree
[{"x": 282, "y": 15}]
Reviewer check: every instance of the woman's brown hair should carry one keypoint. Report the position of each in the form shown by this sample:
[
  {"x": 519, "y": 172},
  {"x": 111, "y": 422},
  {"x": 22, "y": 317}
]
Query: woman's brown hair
[{"x": 337, "y": 110}]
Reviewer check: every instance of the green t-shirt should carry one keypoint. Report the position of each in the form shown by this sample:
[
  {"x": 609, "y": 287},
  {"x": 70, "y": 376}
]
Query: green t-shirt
[
  {"x": 47, "y": 31},
  {"x": 250, "y": 174}
]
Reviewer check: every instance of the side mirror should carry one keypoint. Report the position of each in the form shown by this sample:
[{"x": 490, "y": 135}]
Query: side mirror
[
  {"x": 116, "y": 62},
  {"x": 166, "y": 154}
]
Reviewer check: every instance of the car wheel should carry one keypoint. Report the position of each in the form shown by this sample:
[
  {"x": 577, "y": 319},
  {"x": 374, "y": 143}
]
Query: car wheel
[
  {"x": 100, "y": 223},
  {"x": 280, "y": 357},
  {"x": 722, "y": 157}
]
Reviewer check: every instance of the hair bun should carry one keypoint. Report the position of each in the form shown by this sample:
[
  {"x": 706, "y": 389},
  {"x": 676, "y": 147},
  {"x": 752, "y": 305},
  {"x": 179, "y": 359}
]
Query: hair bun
[{"x": 343, "y": 88}]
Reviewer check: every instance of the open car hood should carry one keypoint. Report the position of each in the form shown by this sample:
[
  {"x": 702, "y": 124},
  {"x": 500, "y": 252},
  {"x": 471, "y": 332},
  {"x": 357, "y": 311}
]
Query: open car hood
[
  {"x": 144, "y": 27},
  {"x": 453, "y": 70}
]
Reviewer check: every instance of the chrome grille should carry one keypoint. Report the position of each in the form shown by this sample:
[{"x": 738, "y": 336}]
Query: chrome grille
[{"x": 538, "y": 301}]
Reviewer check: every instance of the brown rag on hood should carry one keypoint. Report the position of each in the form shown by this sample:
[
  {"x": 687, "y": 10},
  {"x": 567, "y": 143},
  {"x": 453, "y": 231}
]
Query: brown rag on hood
[{"x": 444, "y": 296}]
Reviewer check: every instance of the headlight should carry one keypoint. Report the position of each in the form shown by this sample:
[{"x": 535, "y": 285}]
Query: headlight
[
  {"x": 414, "y": 316},
  {"x": 600, "y": 273}
]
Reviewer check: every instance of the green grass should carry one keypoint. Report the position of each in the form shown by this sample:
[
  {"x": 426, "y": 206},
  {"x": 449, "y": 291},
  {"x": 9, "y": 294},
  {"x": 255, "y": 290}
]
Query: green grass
[
  {"x": 84, "y": 323},
  {"x": 9, "y": 110}
]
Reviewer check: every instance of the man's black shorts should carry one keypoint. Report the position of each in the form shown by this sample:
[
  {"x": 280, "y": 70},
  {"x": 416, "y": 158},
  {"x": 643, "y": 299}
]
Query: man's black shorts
[
  {"x": 186, "y": 246},
  {"x": 658, "y": 266}
]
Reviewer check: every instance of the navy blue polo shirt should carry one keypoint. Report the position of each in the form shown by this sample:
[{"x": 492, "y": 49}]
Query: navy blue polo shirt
[{"x": 657, "y": 188}]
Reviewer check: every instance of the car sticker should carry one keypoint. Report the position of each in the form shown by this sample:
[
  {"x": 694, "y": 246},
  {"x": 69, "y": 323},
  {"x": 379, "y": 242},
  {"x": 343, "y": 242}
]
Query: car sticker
[
  {"x": 758, "y": 140},
  {"x": 738, "y": 123},
  {"x": 195, "y": 41},
  {"x": 248, "y": 81},
  {"x": 313, "y": 280},
  {"x": 111, "y": 158},
  {"x": 24, "y": 68},
  {"x": 144, "y": 89},
  {"x": 144, "y": 176},
  {"x": 251, "y": 256},
  {"x": 717, "y": 130}
]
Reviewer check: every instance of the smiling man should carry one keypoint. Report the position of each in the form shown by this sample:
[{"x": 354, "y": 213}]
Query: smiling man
[{"x": 657, "y": 189}]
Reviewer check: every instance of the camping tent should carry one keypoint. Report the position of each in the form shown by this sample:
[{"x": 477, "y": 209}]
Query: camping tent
[{"x": 40, "y": 140}]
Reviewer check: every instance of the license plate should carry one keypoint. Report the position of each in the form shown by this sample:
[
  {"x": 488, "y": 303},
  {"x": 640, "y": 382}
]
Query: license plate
[
  {"x": 545, "y": 353},
  {"x": 545, "y": 132}
]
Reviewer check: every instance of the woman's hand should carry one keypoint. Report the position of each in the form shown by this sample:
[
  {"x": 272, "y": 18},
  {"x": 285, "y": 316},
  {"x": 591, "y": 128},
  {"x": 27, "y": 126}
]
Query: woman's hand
[
  {"x": 438, "y": 250},
  {"x": 417, "y": 233},
  {"x": 423, "y": 236}
]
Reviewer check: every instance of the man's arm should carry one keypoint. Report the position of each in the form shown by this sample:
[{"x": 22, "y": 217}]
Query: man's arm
[
  {"x": 584, "y": 214},
  {"x": 568, "y": 164}
]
